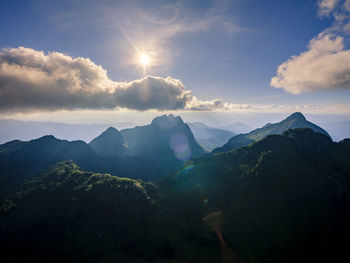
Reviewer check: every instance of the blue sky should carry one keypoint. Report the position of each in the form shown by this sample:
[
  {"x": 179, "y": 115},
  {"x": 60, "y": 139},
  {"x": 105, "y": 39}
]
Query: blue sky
[{"x": 225, "y": 52}]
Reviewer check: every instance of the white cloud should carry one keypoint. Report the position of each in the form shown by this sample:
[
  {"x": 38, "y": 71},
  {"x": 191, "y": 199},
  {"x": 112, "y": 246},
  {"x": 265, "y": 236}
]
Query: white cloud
[
  {"x": 33, "y": 80},
  {"x": 325, "y": 65}
]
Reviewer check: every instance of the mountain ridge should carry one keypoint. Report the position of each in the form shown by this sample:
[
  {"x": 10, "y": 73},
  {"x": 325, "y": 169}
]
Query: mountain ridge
[
  {"x": 295, "y": 120},
  {"x": 281, "y": 199},
  {"x": 20, "y": 161},
  {"x": 167, "y": 140}
]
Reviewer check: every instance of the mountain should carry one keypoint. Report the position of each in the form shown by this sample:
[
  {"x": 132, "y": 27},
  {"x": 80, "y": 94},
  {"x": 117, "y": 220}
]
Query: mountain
[
  {"x": 238, "y": 127},
  {"x": 168, "y": 141},
  {"x": 28, "y": 130},
  {"x": 144, "y": 152},
  {"x": 208, "y": 137},
  {"x": 20, "y": 161},
  {"x": 339, "y": 130},
  {"x": 295, "y": 120},
  {"x": 69, "y": 215},
  {"x": 284, "y": 198},
  {"x": 109, "y": 143}
]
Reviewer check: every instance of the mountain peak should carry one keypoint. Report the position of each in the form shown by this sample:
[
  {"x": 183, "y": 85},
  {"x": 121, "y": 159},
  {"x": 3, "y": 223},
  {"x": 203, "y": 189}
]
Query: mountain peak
[
  {"x": 111, "y": 130},
  {"x": 293, "y": 121},
  {"x": 167, "y": 121},
  {"x": 109, "y": 143},
  {"x": 296, "y": 116},
  {"x": 45, "y": 139}
]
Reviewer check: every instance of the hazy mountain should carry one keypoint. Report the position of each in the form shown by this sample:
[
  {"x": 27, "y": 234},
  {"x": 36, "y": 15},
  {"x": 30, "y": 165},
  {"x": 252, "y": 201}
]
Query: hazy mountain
[
  {"x": 28, "y": 130},
  {"x": 168, "y": 141},
  {"x": 238, "y": 127},
  {"x": 208, "y": 137},
  {"x": 295, "y": 120},
  {"x": 109, "y": 143},
  {"x": 282, "y": 199},
  {"x": 338, "y": 130}
]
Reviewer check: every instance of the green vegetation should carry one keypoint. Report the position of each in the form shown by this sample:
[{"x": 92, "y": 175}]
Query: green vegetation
[
  {"x": 21, "y": 161},
  {"x": 74, "y": 216},
  {"x": 284, "y": 198}
]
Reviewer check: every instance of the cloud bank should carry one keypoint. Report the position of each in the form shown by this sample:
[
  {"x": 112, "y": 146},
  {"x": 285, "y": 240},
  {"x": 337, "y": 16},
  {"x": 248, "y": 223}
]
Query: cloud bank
[
  {"x": 33, "y": 80},
  {"x": 326, "y": 63}
]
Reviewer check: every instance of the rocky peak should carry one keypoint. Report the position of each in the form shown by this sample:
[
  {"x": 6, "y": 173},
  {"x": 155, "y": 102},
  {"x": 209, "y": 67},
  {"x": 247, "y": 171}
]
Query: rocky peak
[{"x": 296, "y": 116}]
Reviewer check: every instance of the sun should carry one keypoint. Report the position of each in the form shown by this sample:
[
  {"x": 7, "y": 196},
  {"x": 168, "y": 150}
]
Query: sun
[{"x": 144, "y": 59}]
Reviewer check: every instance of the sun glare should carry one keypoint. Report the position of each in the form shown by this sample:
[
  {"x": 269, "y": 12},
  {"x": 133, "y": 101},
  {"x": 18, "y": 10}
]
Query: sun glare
[{"x": 144, "y": 59}]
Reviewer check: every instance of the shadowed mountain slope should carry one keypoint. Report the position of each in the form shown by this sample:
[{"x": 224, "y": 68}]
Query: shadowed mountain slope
[
  {"x": 168, "y": 141},
  {"x": 284, "y": 198},
  {"x": 109, "y": 143},
  {"x": 20, "y": 161}
]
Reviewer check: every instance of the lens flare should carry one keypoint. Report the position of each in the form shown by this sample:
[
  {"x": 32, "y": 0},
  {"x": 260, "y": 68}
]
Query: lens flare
[
  {"x": 179, "y": 144},
  {"x": 215, "y": 220}
]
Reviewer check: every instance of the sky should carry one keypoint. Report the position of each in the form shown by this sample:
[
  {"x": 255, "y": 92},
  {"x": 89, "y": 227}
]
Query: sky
[{"x": 107, "y": 61}]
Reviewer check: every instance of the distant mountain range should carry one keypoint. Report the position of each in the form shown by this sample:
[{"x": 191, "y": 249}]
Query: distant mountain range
[
  {"x": 28, "y": 130},
  {"x": 209, "y": 137},
  {"x": 238, "y": 127},
  {"x": 144, "y": 152},
  {"x": 295, "y": 120},
  {"x": 339, "y": 130}
]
